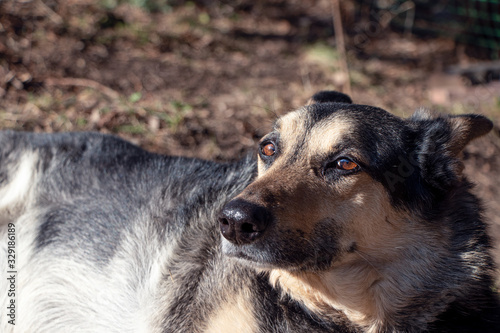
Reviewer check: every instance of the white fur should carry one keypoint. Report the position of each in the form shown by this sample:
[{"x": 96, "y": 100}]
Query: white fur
[
  {"x": 56, "y": 293},
  {"x": 12, "y": 195},
  {"x": 84, "y": 297}
]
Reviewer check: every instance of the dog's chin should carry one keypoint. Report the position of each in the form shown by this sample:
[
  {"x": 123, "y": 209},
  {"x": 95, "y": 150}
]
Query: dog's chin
[
  {"x": 247, "y": 256},
  {"x": 262, "y": 260},
  {"x": 257, "y": 265}
]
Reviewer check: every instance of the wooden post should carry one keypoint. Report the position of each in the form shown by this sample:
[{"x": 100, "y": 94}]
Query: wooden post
[{"x": 340, "y": 44}]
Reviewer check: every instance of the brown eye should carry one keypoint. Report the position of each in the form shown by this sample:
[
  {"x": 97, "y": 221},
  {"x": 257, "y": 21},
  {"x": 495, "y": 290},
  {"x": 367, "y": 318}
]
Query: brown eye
[
  {"x": 345, "y": 164},
  {"x": 269, "y": 149}
]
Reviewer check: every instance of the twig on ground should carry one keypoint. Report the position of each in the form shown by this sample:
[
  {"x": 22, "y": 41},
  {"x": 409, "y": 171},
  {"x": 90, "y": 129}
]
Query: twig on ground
[
  {"x": 53, "y": 16},
  {"x": 78, "y": 82}
]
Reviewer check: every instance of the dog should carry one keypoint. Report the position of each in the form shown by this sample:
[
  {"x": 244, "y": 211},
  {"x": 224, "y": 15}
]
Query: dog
[{"x": 350, "y": 220}]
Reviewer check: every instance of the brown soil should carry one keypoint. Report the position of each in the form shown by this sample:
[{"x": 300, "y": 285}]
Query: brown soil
[{"x": 208, "y": 80}]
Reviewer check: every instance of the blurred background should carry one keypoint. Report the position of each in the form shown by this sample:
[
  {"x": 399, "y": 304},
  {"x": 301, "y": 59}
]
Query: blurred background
[{"x": 207, "y": 78}]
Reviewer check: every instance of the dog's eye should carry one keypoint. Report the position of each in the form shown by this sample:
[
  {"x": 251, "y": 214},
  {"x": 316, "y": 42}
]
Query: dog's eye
[
  {"x": 339, "y": 167},
  {"x": 346, "y": 165},
  {"x": 268, "y": 149}
]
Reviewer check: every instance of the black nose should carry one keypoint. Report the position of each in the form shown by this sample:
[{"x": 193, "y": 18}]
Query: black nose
[{"x": 242, "y": 222}]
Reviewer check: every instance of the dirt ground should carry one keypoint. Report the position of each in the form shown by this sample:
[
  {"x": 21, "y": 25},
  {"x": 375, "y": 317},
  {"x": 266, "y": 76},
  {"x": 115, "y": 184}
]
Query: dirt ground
[{"x": 208, "y": 79}]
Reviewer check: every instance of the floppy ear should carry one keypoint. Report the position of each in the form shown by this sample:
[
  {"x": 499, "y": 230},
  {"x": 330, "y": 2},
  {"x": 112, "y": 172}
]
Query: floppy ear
[
  {"x": 465, "y": 128},
  {"x": 329, "y": 96},
  {"x": 439, "y": 140},
  {"x": 452, "y": 132}
]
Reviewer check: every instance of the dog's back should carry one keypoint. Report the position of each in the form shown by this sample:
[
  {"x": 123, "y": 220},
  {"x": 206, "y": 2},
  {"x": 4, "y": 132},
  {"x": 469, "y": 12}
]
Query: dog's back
[{"x": 96, "y": 222}]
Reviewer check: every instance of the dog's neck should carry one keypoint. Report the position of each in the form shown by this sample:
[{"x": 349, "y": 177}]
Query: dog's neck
[{"x": 373, "y": 285}]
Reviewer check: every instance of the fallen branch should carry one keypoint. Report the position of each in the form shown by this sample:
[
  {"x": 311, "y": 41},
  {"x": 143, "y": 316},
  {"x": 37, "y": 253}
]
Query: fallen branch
[
  {"x": 86, "y": 83},
  {"x": 53, "y": 16}
]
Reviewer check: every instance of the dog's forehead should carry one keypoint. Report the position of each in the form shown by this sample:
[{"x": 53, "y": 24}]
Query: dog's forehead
[
  {"x": 292, "y": 122},
  {"x": 302, "y": 128}
]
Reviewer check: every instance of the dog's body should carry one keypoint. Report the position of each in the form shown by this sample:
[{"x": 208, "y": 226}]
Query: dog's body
[{"x": 353, "y": 220}]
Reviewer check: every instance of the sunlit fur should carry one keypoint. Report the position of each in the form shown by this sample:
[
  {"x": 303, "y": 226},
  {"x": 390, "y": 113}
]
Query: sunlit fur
[{"x": 111, "y": 238}]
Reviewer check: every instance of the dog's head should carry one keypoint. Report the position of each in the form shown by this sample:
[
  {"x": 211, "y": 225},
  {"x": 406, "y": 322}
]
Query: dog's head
[{"x": 334, "y": 176}]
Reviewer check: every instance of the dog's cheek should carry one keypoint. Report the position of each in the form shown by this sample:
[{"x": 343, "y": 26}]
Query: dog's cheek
[
  {"x": 285, "y": 248},
  {"x": 371, "y": 215},
  {"x": 329, "y": 235}
]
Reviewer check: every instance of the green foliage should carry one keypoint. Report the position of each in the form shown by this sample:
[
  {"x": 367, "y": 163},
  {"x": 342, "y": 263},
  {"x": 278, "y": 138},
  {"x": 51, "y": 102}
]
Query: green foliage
[
  {"x": 131, "y": 128},
  {"x": 322, "y": 54},
  {"x": 149, "y": 5},
  {"x": 135, "y": 97},
  {"x": 176, "y": 115},
  {"x": 204, "y": 18}
]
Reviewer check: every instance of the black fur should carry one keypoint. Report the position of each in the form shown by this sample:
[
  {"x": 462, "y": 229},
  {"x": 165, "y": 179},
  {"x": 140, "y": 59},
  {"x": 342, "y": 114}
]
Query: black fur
[{"x": 331, "y": 96}]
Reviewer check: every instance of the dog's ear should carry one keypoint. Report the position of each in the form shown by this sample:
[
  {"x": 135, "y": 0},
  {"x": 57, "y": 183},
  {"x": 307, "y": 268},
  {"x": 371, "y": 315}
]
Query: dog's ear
[
  {"x": 329, "y": 96},
  {"x": 440, "y": 140},
  {"x": 453, "y": 133},
  {"x": 466, "y": 128}
]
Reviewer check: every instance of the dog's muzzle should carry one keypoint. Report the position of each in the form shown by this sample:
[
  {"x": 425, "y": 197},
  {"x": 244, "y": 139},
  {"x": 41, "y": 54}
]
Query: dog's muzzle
[{"x": 242, "y": 222}]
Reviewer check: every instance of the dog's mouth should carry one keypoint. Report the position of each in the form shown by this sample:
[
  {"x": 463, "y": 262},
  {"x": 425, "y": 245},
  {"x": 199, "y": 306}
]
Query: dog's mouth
[
  {"x": 255, "y": 235},
  {"x": 248, "y": 254},
  {"x": 246, "y": 258},
  {"x": 290, "y": 254}
]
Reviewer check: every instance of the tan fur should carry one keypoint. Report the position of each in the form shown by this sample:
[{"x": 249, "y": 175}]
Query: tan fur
[
  {"x": 371, "y": 284},
  {"x": 327, "y": 135},
  {"x": 461, "y": 129},
  {"x": 236, "y": 315},
  {"x": 283, "y": 186},
  {"x": 289, "y": 126},
  {"x": 297, "y": 187}
]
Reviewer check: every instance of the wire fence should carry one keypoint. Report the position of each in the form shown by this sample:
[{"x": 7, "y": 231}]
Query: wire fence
[{"x": 474, "y": 23}]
